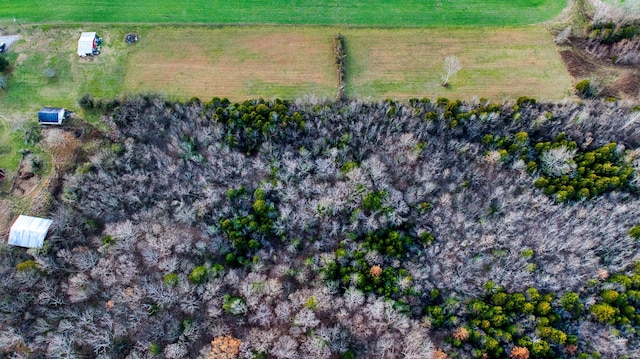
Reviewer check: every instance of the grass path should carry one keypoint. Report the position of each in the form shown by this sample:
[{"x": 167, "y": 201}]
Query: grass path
[
  {"x": 10, "y": 144},
  {"x": 291, "y": 12}
]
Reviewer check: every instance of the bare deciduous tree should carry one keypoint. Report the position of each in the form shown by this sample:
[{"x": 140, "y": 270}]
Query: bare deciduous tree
[
  {"x": 452, "y": 65},
  {"x": 563, "y": 36}
]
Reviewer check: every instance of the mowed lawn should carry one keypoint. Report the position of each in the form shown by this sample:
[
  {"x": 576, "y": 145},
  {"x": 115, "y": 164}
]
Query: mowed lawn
[
  {"x": 46, "y": 71},
  {"x": 308, "y": 12},
  {"x": 497, "y": 63},
  {"x": 234, "y": 62}
]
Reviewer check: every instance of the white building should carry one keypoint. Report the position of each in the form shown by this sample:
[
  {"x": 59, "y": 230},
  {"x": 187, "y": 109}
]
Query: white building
[
  {"x": 29, "y": 231},
  {"x": 88, "y": 44}
]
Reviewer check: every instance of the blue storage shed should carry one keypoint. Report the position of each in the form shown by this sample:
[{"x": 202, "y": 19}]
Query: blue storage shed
[{"x": 51, "y": 116}]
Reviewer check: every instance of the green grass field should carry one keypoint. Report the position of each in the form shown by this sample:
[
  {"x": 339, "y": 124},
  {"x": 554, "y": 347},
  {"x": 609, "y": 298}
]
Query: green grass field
[
  {"x": 294, "y": 12},
  {"x": 53, "y": 49}
]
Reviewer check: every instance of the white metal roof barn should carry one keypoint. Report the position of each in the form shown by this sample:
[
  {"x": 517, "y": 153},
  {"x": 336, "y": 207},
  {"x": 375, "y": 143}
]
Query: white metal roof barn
[
  {"x": 87, "y": 44},
  {"x": 29, "y": 231}
]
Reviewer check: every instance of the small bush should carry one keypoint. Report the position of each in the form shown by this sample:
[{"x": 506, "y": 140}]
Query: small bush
[
  {"x": 570, "y": 302},
  {"x": 198, "y": 275},
  {"x": 373, "y": 201},
  {"x": 635, "y": 232},
  {"x": 107, "y": 241},
  {"x": 583, "y": 88},
  {"x": 4, "y": 63},
  {"x": 117, "y": 149},
  {"x": 28, "y": 266},
  {"x": 524, "y": 100},
  {"x": 171, "y": 279},
  {"x": 86, "y": 102},
  {"x": 155, "y": 349},
  {"x": 234, "y": 305},
  {"x": 604, "y": 313},
  {"x": 37, "y": 164}
]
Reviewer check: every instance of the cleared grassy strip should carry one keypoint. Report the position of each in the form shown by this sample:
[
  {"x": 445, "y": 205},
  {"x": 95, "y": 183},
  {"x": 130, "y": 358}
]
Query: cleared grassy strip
[
  {"x": 311, "y": 12},
  {"x": 11, "y": 141},
  {"x": 286, "y": 62},
  {"x": 234, "y": 62},
  {"x": 497, "y": 63}
]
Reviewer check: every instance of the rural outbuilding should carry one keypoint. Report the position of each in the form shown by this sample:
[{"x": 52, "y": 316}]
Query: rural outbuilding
[
  {"x": 29, "y": 231},
  {"x": 51, "y": 116},
  {"x": 88, "y": 44}
]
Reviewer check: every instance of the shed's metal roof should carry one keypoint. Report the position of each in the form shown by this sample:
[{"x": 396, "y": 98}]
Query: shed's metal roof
[
  {"x": 51, "y": 110},
  {"x": 88, "y": 36},
  {"x": 29, "y": 231}
]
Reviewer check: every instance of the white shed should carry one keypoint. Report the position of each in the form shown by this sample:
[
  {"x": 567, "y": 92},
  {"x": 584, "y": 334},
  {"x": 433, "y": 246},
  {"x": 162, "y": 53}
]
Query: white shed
[
  {"x": 29, "y": 231},
  {"x": 87, "y": 44}
]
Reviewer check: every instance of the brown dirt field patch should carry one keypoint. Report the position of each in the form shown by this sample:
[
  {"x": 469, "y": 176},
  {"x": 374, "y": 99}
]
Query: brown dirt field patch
[
  {"x": 609, "y": 79},
  {"x": 232, "y": 62},
  {"x": 26, "y": 180},
  {"x": 576, "y": 64},
  {"x": 629, "y": 84},
  {"x": 62, "y": 144}
]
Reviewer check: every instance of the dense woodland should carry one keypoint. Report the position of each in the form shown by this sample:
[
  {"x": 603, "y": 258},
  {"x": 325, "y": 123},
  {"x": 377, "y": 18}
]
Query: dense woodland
[{"x": 270, "y": 229}]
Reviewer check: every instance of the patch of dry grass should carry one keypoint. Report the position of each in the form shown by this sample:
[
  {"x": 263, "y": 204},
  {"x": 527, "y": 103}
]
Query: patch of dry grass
[
  {"x": 233, "y": 62},
  {"x": 249, "y": 62},
  {"x": 497, "y": 63}
]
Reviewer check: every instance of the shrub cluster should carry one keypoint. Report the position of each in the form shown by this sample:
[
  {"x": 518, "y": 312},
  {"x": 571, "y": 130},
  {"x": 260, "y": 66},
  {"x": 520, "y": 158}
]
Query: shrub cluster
[
  {"x": 89, "y": 103},
  {"x": 252, "y": 122},
  {"x": 620, "y": 305},
  {"x": 564, "y": 171},
  {"x": 247, "y": 231},
  {"x": 616, "y": 42},
  {"x": 499, "y": 320},
  {"x": 340, "y": 57},
  {"x": 454, "y": 114},
  {"x": 366, "y": 266},
  {"x": 610, "y": 32},
  {"x": 352, "y": 269}
]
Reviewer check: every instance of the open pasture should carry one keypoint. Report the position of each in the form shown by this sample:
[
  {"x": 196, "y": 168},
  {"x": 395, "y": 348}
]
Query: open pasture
[
  {"x": 497, "y": 63},
  {"x": 241, "y": 62},
  {"x": 233, "y": 62},
  {"x": 248, "y": 62},
  {"x": 395, "y": 13}
]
